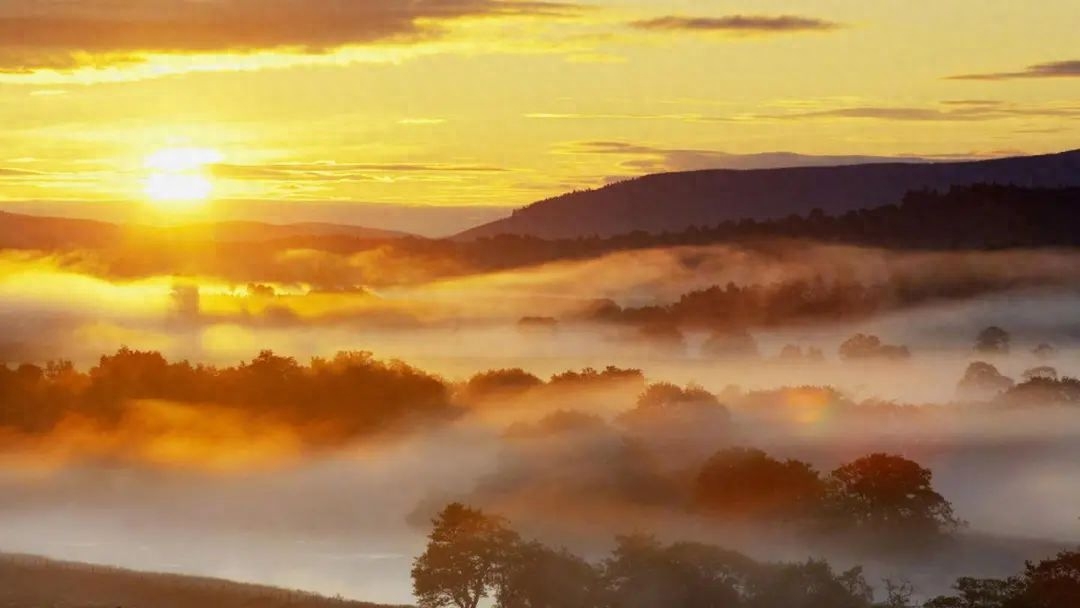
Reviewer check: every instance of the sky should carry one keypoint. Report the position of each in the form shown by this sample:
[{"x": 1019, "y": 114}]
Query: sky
[{"x": 122, "y": 108}]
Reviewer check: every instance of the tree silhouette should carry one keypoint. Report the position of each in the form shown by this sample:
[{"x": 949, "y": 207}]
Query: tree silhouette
[
  {"x": 1052, "y": 583},
  {"x": 464, "y": 557},
  {"x": 1044, "y": 372},
  {"x": 812, "y": 584},
  {"x": 982, "y": 379},
  {"x": 535, "y": 576},
  {"x": 741, "y": 482},
  {"x": 862, "y": 346},
  {"x": 898, "y": 594},
  {"x": 642, "y": 573},
  {"x": 890, "y": 496}
]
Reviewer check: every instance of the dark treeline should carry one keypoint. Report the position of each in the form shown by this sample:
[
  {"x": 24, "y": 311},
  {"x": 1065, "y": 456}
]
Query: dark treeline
[
  {"x": 472, "y": 555},
  {"x": 351, "y": 394},
  {"x": 970, "y": 217},
  {"x": 327, "y": 401},
  {"x": 1041, "y": 385},
  {"x": 737, "y": 307},
  {"x": 498, "y": 384}
]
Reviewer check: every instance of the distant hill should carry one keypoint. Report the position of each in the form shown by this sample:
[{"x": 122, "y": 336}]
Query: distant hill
[
  {"x": 29, "y": 582},
  {"x": 676, "y": 201},
  {"x": 19, "y": 231},
  {"x": 237, "y": 231}
]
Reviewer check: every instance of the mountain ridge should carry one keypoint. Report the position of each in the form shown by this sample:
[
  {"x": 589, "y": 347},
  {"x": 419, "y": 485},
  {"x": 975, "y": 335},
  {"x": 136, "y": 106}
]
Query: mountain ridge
[{"x": 673, "y": 201}]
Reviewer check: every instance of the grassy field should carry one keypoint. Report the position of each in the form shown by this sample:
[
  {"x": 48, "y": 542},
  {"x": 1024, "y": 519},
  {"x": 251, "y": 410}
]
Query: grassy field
[{"x": 34, "y": 582}]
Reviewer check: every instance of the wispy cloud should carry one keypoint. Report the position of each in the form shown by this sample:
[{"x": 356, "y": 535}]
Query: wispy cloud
[
  {"x": 638, "y": 158},
  {"x": 65, "y": 35},
  {"x": 1054, "y": 69},
  {"x": 628, "y": 116},
  {"x": 948, "y": 111},
  {"x": 328, "y": 171},
  {"x": 738, "y": 24}
]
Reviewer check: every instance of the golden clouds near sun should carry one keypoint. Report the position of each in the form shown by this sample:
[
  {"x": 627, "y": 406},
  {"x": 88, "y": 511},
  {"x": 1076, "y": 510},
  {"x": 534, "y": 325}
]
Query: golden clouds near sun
[{"x": 178, "y": 177}]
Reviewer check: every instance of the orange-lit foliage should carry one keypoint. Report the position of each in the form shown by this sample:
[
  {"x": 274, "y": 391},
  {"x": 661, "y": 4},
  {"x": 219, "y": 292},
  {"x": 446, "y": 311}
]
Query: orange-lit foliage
[{"x": 138, "y": 403}]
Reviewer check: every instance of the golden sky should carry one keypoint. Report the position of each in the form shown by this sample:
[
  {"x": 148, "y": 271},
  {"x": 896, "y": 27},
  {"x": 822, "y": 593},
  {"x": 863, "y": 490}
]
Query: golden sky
[{"x": 501, "y": 102}]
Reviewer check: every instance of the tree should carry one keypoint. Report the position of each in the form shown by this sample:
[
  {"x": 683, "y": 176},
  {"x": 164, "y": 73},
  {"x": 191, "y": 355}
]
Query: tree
[
  {"x": 1042, "y": 372},
  {"x": 812, "y": 584},
  {"x": 642, "y": 573},
  {"x": 535, "y": 576},
  {"x": 1044, "y": 391},
  {"x": 664, "y": 405},
  {"x": 993, "y": 341},
  {"x": 1052, "y": 583},
  {"x": 983, "y": 380},
  {"x": 889, "y": 495},
  {"x": 501, "y": 383},
  {"x": 748, "y": 483},
  {"x": 463, "y": 560},
  {"x": 862, "y": 346},
  {"x": 979, "y": 593},
  {"x": 898, "y": 594}
]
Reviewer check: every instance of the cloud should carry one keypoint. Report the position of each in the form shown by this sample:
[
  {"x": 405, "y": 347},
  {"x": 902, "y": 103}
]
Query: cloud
[
  {"x": 64, "y": 35},
  {"x": 653, "y": 159},
  {"x": 738, "y": 24},
  {"x": 328, "y": 171},
  {"x": 1054, "y": 69},
  {"x": 949, "y": 111},
  {"x": 691, "y": 118}
]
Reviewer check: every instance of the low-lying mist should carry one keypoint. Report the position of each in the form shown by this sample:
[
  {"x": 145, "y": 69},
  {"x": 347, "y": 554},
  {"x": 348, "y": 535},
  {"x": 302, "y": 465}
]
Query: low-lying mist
[
  {"x": 581, "y": 399},
  {"x": 247, "y": 492}
]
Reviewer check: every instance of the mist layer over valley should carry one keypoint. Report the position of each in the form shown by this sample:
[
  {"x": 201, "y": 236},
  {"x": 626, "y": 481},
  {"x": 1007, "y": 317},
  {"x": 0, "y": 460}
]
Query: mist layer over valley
[{"x": 582, "y": 398}]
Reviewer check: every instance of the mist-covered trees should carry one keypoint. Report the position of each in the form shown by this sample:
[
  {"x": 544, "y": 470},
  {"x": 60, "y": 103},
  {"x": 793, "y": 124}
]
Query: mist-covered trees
[
  {"x": 1043, "y": 390},
  {"x": 889, "y": 495},
  {"x": 1051, "y": 583},
  {"x": 471, "y": 556},
  {"x": 665, "y": 405},
  {"x": 500, "y": 383},
  {"x": 328, "y": 400},
  {"x": 537, "y": 576},
  {"x": 879, "y": 496},
  {"x": 862, "y": 346},
  {"x": 748, "y": 483},
  {"x": 981, "y": 380},
  {"x": 642, "y": 572}
]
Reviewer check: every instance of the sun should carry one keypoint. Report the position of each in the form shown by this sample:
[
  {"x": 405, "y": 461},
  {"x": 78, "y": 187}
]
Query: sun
[{"x": 178, "y": 177}]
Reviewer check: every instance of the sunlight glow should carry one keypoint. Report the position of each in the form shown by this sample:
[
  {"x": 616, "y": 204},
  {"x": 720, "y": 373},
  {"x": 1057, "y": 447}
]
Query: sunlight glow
[{"x": 178, "y": 177}]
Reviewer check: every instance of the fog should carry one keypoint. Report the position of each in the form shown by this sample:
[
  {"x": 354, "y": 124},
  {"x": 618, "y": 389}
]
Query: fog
[{"x": 239, "y": 491}]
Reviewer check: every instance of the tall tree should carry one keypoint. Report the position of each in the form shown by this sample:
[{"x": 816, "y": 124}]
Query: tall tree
[
  {"x": 892, "y": 495},
  {"x": 461, "y": 565}
]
